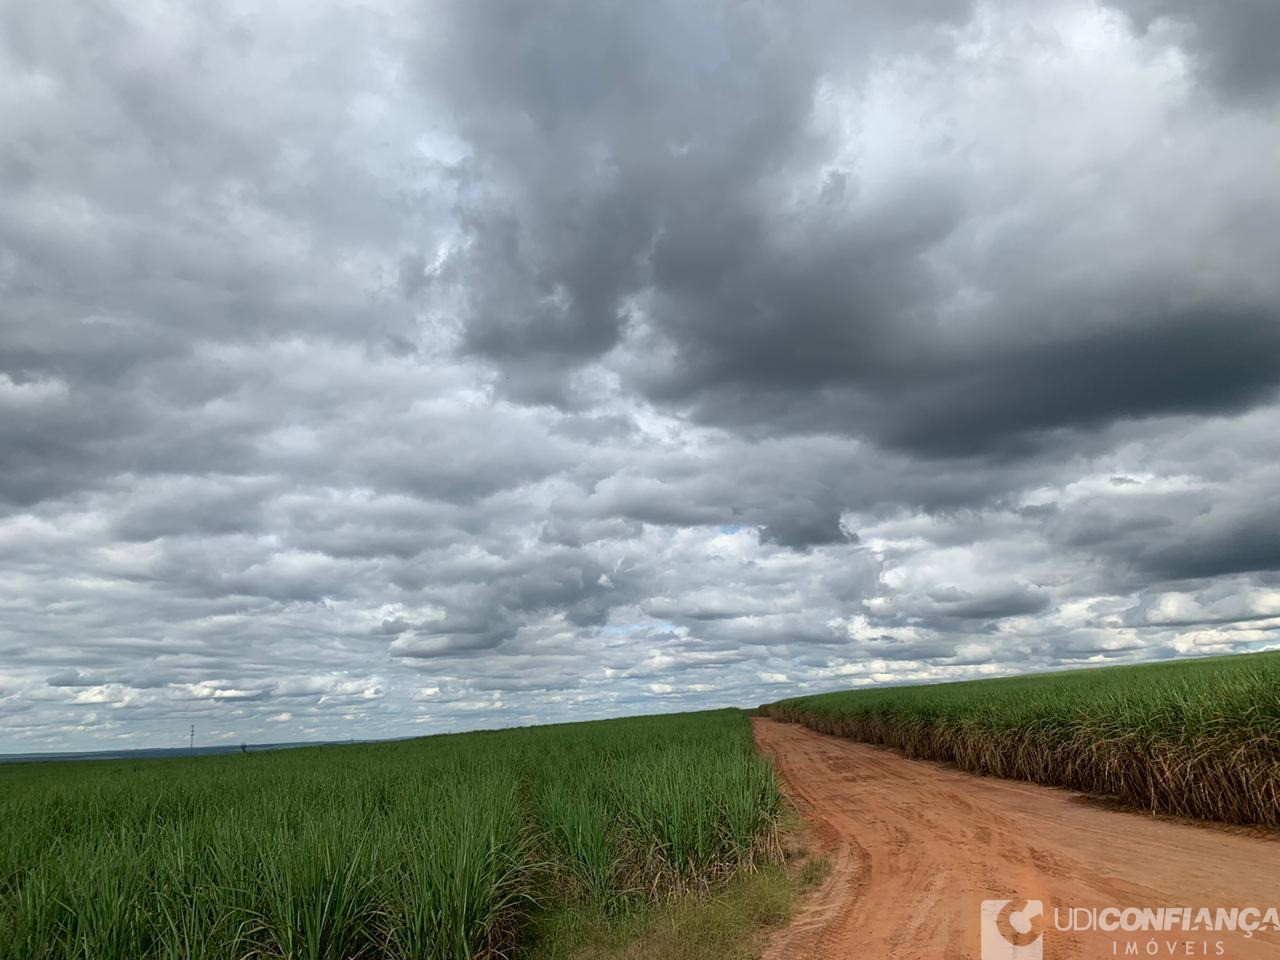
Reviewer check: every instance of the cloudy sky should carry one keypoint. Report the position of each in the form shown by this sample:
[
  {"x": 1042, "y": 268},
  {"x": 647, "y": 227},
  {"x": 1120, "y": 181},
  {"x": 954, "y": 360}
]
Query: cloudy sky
[{"x": 388, "y": 367}]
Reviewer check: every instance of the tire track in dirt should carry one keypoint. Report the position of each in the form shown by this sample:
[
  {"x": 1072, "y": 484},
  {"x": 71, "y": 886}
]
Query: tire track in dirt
[{"x": 916, "y": 847}]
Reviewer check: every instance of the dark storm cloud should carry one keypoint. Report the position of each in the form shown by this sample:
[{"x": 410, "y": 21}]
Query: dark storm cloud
[
  {"x": 1235, "y": 41},
  {"x": 487, "y": 606},
  {"x": 669, "y": 226},
  {"x": 967, "y": 606},
  {"x": 1180, "y": 545},
  {"x": 1252, "y": 545},
  {"x": 368, "y": 371},
  {"x": 1003, "y": 398},
  {"x": 626, "y": 153},
  {"x": 1205, "y": 360}
]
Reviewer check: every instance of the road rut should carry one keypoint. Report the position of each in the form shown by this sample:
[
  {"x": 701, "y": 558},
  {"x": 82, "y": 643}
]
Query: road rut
[{"x": 917, "y": 846}]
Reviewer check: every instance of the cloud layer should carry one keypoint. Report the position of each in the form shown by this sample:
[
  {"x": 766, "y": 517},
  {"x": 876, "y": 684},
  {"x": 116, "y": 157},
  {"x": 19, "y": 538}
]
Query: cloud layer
[{"x": 368, "y": 370}]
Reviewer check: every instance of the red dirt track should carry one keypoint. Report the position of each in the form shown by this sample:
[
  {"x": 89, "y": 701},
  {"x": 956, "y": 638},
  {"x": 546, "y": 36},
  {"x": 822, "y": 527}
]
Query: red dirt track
[{"x": 916, "y": 846}]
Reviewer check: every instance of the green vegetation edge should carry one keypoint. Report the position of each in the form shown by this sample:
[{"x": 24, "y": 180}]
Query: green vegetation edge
[
  {"x": 732, "y": 922},
  {"x": 1191, "y": 737}
]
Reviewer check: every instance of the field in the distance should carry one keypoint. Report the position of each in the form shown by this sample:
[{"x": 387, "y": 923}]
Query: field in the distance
[
  {"x": 444, "y": 848},
  {"x": 1198, "y": 738}
]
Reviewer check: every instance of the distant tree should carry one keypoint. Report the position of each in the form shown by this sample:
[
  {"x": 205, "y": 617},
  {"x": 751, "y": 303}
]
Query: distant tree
[{"x": 244, "y": 748}]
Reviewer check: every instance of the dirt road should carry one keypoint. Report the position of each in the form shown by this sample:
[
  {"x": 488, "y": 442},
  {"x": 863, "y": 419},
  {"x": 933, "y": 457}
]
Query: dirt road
[{"x": 916, "y": 847}]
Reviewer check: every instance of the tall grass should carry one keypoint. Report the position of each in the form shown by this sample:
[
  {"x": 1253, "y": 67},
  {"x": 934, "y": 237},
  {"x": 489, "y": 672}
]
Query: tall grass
[
  {"x": 435, "y": 849},
  {"x": 1197, "y": 738}
]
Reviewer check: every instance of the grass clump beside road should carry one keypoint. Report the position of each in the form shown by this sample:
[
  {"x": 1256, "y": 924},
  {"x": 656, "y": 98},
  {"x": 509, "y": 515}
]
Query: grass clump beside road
[
  {"x": 444, "y": 848},
  {"x": 724, "y": 923},
  {"x": 1196, "y": 738}
]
